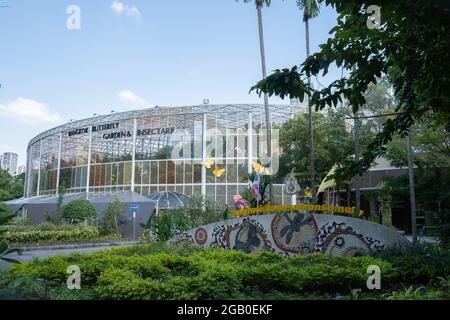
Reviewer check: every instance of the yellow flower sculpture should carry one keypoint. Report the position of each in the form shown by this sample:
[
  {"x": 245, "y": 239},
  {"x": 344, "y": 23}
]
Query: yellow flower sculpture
[
  {"x": 258, "y": 168},
  {"x": 308, "y": 193},
  {"x": 218, "y": 172},
  {"x": 208, "y": 163}
]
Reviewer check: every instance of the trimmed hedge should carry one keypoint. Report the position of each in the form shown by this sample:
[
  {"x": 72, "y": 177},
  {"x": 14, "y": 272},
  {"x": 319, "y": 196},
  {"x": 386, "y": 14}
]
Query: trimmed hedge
[
  {"x": 189, "y": 273},
  {"x": 79, "y": 210},
  {"x": 77, "y": 234}
]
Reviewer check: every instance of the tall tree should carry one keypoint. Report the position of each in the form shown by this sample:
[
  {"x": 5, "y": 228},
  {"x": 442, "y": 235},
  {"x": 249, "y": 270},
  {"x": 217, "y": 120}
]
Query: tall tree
[
  {"x": 310, "y": 10},
  {"x": 259, "y": 5}
]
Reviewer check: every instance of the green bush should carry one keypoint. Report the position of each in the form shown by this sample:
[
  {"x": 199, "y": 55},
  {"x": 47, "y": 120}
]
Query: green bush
[
  {"x": 20, "y": 221},
  {"x": 418, "y": 263},
  {"x": 161, "y": 272},
  {"x": 6, "y": 214},
  {"x": 50, "y": 236},
  {"x": 79, "y": 210},
  {"x": 112, "y": 217}
]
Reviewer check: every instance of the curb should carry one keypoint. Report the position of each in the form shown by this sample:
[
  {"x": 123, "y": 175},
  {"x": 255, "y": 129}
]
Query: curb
[{"x": 78, "y": 246}]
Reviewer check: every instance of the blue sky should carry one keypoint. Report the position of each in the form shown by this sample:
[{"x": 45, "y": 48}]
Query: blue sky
[{"x": 137, "y": 53}]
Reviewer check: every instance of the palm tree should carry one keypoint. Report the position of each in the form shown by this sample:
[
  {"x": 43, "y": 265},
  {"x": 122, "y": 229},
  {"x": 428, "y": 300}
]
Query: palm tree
[
  {"x": 259, "y": 4},
  {"x": 310, "y": 9}
]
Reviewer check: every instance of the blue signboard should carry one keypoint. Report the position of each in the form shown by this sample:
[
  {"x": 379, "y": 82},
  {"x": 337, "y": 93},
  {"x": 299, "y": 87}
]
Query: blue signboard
[{"x": 134, "y": 207}]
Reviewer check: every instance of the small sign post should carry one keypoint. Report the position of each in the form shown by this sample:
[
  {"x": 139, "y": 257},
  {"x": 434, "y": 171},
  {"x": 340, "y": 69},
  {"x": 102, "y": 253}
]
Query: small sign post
[{"x": 134, "y": 208}]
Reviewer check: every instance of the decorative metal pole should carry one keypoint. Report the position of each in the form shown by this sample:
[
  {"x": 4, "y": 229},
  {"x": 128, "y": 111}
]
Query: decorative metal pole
[
  {"x": 203, "y": 190},
  {"x": 88, "y": 171},
  {"x": 250, "y": 142},
  {"x": 133, "y": 163},
  {"x": 59, "y": 163}
]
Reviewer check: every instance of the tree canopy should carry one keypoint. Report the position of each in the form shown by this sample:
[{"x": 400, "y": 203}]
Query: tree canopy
[{"x": 412, "y": 46}]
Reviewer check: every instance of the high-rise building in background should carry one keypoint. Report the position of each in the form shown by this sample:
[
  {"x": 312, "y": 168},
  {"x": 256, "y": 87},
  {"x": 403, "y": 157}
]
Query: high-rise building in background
[
  {"x": 21, "y": 169},
  {"x": 8, "y": 162}
]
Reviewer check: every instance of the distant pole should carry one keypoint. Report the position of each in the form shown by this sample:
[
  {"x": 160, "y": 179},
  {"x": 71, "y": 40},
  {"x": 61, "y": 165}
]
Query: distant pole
[
  {"x": 357, "y": 157},
  {"x": 134, "y": 226},
  {"x": 411, "y": 188}
]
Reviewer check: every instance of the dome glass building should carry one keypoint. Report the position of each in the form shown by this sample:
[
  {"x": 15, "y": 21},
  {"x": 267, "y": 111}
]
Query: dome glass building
[{"x": 155, "y": 150}]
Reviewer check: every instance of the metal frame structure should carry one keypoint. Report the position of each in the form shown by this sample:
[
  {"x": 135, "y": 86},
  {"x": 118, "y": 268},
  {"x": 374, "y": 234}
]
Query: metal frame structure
[{"x": 92, "y": 163}]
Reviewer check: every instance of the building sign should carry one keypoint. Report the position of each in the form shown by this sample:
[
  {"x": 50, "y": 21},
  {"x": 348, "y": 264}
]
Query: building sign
[
  {"x": 104, "y": 127},
  {"x": 77, "y": 132},
  {"x": 155, "y": 131},
  {"x": 121, "y": 134}
]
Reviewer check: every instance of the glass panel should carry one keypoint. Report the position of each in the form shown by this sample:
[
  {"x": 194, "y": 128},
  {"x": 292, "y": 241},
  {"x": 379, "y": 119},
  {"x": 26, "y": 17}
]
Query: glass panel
[
  {"x": 162, "y": 172},
  {"x": 179, "y": 172},
  {"x": 154, "y": 172},
  {"x": 127, "y": 173},
  {"x": 138, "y": 172},
  {"x": 146, "y": 173},
  {"x": 170, "y": 172},
  {"x": 197, "y": 173},
  {"x": 188, "y": 172}
]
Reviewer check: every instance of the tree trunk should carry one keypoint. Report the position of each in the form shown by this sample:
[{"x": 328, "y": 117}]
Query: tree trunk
[
  {"x": 411, "y": 188},
  {"x": 266, "y": 98},
  {"x": 312, "y": 160},
  {"x": 357, "y": 156}
]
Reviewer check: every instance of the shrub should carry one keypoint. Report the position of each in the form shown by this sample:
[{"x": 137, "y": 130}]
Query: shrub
[
  {"x": 6, "y": 213},
  {"x": 113, "y": 216},
  {"x": 168, "y": 224},
  {"x": 157, "y": 272},
  {"x": 50, "y": 236},
  {"x": 20, "y": 221},
  {"x": 79, "y": 210},
  {"x": 418, "y": 263}
]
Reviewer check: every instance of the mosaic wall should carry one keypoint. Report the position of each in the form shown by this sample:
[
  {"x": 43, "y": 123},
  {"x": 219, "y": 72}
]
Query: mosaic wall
[{"x": 295, "y": 233}]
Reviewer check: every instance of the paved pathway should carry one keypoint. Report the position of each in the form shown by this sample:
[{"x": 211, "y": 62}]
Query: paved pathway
[{"x": 30, "y": 255}]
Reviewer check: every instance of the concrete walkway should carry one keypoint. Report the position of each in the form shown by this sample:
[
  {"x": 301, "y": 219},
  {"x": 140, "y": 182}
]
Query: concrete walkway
[{"x": 45, "y": 253}]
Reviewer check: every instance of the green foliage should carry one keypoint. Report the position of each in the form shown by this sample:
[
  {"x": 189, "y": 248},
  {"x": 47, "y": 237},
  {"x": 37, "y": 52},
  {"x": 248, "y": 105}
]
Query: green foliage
[
  {"x": 333, "y": 144},
  {"x": 59, "y": 205},
  {"x": 248, "y": 196},
  {"x": 412, "y": 49},
  {"x": 174, "y": 221},
  {"x": 112, "y": 217},
  {"x": 79, "y": 210},
  {"x": 10, "y": 187},
  {"x": 75, "y": 234},
  {"x": 170, "y": 223},
  {"x": 183, "y": 272},
  {"x": 419, "y": 263},
  {"x": 20, "y": 221},
  {"x": 6, "y": 216}
]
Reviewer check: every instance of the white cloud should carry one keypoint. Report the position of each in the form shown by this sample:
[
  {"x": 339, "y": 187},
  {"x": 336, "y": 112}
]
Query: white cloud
[
  {"x": 5, "y": 148},
  {"x": 130, "y": 11},
  {"x": 28, "y": 111},
  {"x": 130, "y": 97}
]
